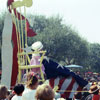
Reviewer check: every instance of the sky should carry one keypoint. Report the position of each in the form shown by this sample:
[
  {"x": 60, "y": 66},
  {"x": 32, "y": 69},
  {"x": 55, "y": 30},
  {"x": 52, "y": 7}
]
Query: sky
[{"x": 83, "y": 15}]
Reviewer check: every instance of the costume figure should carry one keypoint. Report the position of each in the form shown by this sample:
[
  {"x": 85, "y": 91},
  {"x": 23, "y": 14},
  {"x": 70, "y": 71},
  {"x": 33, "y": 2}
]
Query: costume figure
[{"x": 37, "y": 46}]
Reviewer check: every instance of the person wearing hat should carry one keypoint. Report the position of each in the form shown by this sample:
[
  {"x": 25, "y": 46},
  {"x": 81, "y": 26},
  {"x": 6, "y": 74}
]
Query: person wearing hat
[
  {"x": 37, "y": 46},
  {"x": 94, "y": 93}
]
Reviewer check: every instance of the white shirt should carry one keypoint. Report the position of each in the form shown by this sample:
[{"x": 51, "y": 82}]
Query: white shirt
[
  {"x": 15, "y": 97},
  {"x": 28, "y": 94}
]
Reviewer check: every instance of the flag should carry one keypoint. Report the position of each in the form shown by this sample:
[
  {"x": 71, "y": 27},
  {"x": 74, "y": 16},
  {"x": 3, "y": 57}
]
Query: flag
[
  {"x": 62, "y": 77},
  {"x": 66, "y": 86}
]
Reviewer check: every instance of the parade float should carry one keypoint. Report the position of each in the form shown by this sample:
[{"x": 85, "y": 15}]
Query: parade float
[{"x": 16, "y": 56}]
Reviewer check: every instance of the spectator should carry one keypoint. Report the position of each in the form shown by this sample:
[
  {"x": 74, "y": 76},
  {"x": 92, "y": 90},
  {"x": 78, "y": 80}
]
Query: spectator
[
  {"x": 45, "y": 92},
  {"x": 94, "y": 93},
  {"x": 31, "y": 85},
  {"x": 85, "y": 93},
  {"x": 18, "y": 89},
  {"x": 3, "y": 92},
  {"x": 10, "y": 96}
]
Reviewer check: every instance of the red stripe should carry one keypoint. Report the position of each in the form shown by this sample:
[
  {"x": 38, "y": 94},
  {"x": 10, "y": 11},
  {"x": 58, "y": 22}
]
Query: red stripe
[
  {"x": 61, "y": 83},
  {"x": 51, "y": 82},
  {"x": 14, "y": 63},
  {"x": 9, "y": 2},
  {"x": 79, "y": 89},
  {"x": 15, "y": 50},
  {"x": 67, "y": 94}
]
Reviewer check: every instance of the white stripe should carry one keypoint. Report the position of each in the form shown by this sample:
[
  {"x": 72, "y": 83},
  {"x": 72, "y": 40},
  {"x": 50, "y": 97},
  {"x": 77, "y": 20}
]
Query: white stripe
[
  {"x": 56, "y": 81},
  {"x": 65, "y": 84},
  {"x": 74, "y": 88},
  {"x": 7, "y": 51}
]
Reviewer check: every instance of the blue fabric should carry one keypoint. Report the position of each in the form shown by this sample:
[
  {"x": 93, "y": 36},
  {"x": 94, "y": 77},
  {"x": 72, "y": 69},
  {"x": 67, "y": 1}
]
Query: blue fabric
[{"x": 53, "y": 70}]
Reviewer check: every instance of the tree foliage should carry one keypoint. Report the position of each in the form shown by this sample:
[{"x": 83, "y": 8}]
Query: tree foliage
[
  {"x": 62, "y": 42},
  {"x": 95, "y": 57}
]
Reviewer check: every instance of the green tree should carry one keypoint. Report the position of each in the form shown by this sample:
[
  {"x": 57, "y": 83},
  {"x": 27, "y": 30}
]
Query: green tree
[
  {"x": 95, "y": 57},
  {"x": 62, "y": 42}
]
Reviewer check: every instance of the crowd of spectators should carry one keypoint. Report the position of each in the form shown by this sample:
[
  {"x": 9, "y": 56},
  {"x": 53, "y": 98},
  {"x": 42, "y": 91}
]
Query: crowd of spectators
[
  {"x": 91, "y": 77},
  {"x": 32, "y": 90}
]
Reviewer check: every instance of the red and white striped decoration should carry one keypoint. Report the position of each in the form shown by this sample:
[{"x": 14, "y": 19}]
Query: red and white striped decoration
[{"x": 66, "y": 86}]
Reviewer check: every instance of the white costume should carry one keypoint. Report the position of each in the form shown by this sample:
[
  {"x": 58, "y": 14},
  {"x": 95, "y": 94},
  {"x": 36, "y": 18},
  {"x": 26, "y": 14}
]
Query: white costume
[
  {"x": 28, "y": 94},
  {"x": 15, "y": 97}
]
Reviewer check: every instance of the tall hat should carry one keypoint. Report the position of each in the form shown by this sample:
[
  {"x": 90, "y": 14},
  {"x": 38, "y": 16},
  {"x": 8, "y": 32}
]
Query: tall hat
[{"x": 37, "y": 46}]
